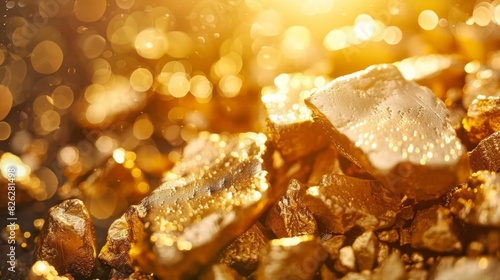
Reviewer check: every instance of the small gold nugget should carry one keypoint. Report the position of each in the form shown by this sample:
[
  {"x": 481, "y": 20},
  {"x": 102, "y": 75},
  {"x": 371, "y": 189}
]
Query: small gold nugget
[
  {"x": 477, "y": 201},
  {"x": 434, "y": 229},
  {"x": 213, "y": 195},
  {"x": 243, "y": 253},
  {"x": 67, "y": 240},
  {"x": 395, "y": 129},
  {"x": 289, "y": 216},
  {"x": 291, "y": 258},
  {"x": 289, "y": 121},
  {"x": 483, "y": 118},
  {"x": 486, "y": 155},
  {"x": 341, "y": 202}
]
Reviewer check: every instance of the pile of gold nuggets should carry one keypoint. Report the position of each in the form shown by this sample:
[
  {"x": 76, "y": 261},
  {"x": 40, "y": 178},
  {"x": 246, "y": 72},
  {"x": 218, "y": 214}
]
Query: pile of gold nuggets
[{"x": 254, "y": 152}]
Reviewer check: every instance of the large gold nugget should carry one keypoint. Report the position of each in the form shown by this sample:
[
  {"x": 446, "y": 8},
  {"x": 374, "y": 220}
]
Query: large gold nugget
[
  {"x": 486, "y": 155},
  {"x": 289, "y": 121},
  {"x": 483, "y": 118},
  {"x": 289, "y": 216},
  {"x": 67, "y": 240},
  {"x": 477, "y": 202},
  {"x": 341, "y": 202},
  {"x": 292, "y": 258},
  {"x": 209, "y": 198},
  {"x": 395, "y": 129}
]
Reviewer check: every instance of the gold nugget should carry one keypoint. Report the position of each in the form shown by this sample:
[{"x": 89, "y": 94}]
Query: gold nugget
[
  {"x": 209, "y": 198},
  {"x": 483, "y": 118},
  {"x": 486, "y": 155},
  {"x": 341, "y": 203},
  {"x": 395, "y": 129},
  {"x": 289, "y": 216},
  {"x": 477, "y": 201},
  {"x": 67, "y": 241},
  {"x": 292, "y": 258},
  {"x": 289, "y": 121},
  {"x": 434, "y": 229}
]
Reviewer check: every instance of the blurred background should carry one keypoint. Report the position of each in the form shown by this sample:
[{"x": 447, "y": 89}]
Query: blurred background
[{"x": 97, "y": 98}]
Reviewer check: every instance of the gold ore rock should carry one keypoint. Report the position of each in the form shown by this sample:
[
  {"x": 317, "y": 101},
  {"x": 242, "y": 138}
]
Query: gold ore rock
[
  {"x": 395, "y": 129},
  {"x": 213, "y": 195},
  {"x": 67, "y": 240}
]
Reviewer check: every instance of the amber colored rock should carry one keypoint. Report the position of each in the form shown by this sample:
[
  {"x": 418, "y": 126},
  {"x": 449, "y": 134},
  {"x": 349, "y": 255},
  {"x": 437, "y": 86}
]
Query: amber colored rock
[
  {"x": 67, "y": 240},
  {"x": 434, "y": 229},
  {"x": 483, "y": 118},
  {"x": 243, "y": 253},
  {"x": 477, "y": 202},
  {"x": 486, "y": 155},
  {"x": 407, "y": 213},
  {"x": 210, "y": 197},
  {"x": 219, "y": 272},
  {"x": 289, "y": 122},
  {"x": 465, "y": 268},
  {"x": 289, "y": 216},
  {"x": 325, "y": 162},
  {"x": 42, "y": 270},
  {"x": 383, "y": 252},
  {"x": 333, "y": 246},
  {"x": 341, "y": 202},
  {"x": 395, "y": 129},
  {"x": 365, "y": 249},
  {"x": 482, "y": 80},
  {"x": 389, "y": 236},
  {"x": 404, "y": 236},
  {"x": 122, "y": 233},
  {"x": 291, "y": 258},
  {"x": 346, "y": 261},
  {"x": 391, "y": 269}
]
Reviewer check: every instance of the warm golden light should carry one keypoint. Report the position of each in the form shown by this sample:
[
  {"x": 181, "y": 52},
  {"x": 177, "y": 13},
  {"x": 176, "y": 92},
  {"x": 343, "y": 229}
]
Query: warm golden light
[
  {"x": 428, "y": 19},
  {"x": 151, "y": 43},
  {"x": 47, "y": 57}
]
